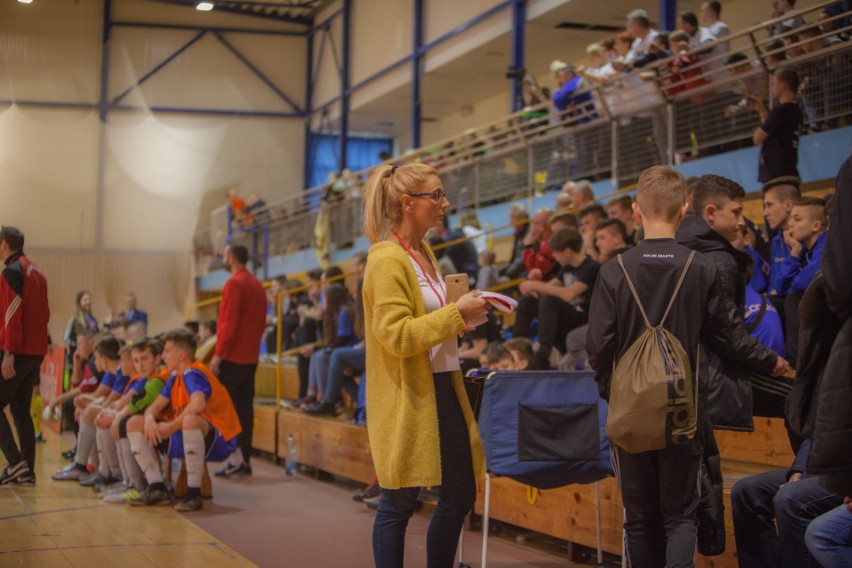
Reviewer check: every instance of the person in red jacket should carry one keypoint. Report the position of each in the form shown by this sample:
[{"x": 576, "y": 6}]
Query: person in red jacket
[
  {"x": 242, "y": 319},
  {"x": 540, "y": 265},
  {"x": 23, "y": 341}
]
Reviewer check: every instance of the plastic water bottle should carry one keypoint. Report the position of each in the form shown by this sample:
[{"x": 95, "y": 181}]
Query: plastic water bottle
[{"x": 290, "y": 463}]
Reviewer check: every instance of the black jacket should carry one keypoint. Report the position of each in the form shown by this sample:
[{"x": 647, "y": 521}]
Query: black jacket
[
  {"x": 726, "y": 382},
  {"x": 831, "y": 453},
  {"x": 698, "y": 314},
  {"x": 516, "y": 267}
]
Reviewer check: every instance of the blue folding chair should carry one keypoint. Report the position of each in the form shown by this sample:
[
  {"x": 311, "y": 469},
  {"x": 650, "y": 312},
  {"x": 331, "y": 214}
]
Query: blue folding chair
[{"x": 545, "y": 429}]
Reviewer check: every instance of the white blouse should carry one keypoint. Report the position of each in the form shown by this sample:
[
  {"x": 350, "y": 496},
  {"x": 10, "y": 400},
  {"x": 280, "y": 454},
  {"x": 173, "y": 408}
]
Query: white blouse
[{"x": 445, "y": 356}]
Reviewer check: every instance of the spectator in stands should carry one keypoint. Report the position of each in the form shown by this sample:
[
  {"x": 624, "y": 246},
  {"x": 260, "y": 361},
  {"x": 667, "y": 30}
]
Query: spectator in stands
[
  {"x": 711, "y": 12},
  {"x": 573, "y": 93},
  {"x": 82, "y": 319},
  {"x": 716, "y": 222},
  {"x": 519, "y": 218},
  {"x": 600, "y": 67},
  {"x": 473, "y": 343},
  {"x": 829, "y": 536},
  {"x": 610, "y": 239},
  {"x": 759, "y": 281},
  {"x": 242, "y": 318},
  {"x": 522, "y": 352},
  {"x": 308, "y": 331},
  {"x": 413, "y": 367},
  {"x": 688, "y": 22},
  {"x": 774, "y": 53},
  {"x": 23, "y": 343},
  {"x": 564, "y": 305},
  {"x": 470, "y": 227},
  {"x": 270, "y": 332},
  {"x": 463, "y": 254},
  {"x": 827, "y": 24},
  {"x": 779, "y": 131},
  {"x": 257, "y": 211},
  {"x": 194, "y": 414},
  {"x": 639, "y": 27},
  {"x": 582, "y": 194},
  {"x": 805, "y": 236},
  {"x": 540, "y": 265},
  {"x": 662, "y": 45},
  {"x": 590, "y": 216},
  {"x": 534, "y": 95},
  {"x": 794, "y": 48},
  {"x": 496, "y": 357},
  {"x": 621, "y": 208},
  {"x": 488, "y": 275},
  {"x": 136, "y": 331},
  {"x": 779, "y": 195},
  {"x": 206, "y": 341},
  {"x": 793, "y": 20},
  {"x": 621, "y": 51},
  {"x": 747, "y": 89},
  {"x": 237, "y": 209},
  {"x": 131, "y": 314},
  {"x": 660, "y": 520},
  {"x": 563, "y": 220},
  {"x": 772, "y": 511}
]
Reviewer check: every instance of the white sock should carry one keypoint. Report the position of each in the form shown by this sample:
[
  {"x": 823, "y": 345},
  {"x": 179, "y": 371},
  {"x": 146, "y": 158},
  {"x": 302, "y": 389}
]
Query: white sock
[
  {"x": 134, "y": 472},
  {"x": 121, "y": 465},
  {"x": 110, "y": 452},
  {"x": 146, "y": 457},
  {"x": 100, "y": 444},
  {"x": 193, "y": 455},
  {"x": 86, "y": 444},
  {"x": 236, "y": 458}
]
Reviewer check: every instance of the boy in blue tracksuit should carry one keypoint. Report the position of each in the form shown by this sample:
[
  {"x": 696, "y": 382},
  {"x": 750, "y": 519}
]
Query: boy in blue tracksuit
[
  {"x": 805, "y": 235},
  {"x": 779, "y": 195}
]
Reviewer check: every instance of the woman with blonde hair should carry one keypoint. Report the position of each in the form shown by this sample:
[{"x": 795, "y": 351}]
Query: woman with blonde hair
[
  {"x": 421, "y": 427},
  {"x": 82, "y": 319}
]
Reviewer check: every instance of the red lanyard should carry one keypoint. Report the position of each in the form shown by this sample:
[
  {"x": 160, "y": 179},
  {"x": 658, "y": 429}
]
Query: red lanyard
[{"x": 442, "y": 301}]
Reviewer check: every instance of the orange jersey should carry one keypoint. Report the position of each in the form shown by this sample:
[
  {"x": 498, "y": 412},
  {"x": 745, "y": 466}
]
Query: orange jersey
[{"x": 219, "y": 410}]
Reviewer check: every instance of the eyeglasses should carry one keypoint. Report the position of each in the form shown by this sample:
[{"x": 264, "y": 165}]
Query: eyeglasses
[{"x": 437, "y": 196}]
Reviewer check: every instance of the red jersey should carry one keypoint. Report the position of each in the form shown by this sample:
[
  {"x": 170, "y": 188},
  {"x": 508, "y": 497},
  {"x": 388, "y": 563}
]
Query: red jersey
[
  {"x": 242, "y": 318},
  {"x": 24, "y": 312}
]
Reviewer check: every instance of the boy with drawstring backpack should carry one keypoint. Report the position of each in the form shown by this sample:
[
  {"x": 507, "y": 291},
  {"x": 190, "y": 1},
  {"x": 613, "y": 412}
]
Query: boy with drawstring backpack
[{"x": 649, "y": 311}]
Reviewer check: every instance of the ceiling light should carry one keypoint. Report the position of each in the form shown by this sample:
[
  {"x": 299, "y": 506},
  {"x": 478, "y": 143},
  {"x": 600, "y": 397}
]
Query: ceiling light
[
  {"x": 204, "y": 6},
  {"x": 25, "y": 1}
]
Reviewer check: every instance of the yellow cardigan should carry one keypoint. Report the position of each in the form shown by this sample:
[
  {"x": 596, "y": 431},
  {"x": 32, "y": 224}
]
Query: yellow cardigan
[{"x": 402, "y": 414}]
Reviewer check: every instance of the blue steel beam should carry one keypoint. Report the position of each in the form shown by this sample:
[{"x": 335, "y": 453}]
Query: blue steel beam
[
  {"x": 325, "y": 22},
  {"x": 309, "y": 98},
  {"x": 158, "y": 67},
  {"x": 208, "y": 28},
  {"x": 51, "y": 104},
  {"x": 668, "y": 14},
  {"x": 417, "y": 75},
  {"x": 260, "y": 75},
  {"x": 423, "y": 51},
  {"x": 344, "y": 82},
  {"x": 518, "y": 63}
]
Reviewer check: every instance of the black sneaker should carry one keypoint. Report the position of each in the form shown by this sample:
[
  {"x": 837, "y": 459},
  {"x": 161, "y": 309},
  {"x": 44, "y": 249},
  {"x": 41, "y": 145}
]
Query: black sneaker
[
  {"x": 14, "y": 472},
  {"x": 69, "y": 455},
  {"x": 105, "y": 482},
  {"x": 369, "y": 492},
  {"x": 27, "y": 479},
  {"x": 152, "y": 496},
  {"x": 189, "y": 504},
  {"x": 40, "y": 438},
  {"x": 321, "y": 409},
  {"x": 234, "y": 470}
]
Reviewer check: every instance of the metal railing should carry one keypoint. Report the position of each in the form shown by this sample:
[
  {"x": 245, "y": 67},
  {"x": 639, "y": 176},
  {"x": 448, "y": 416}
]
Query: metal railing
[{"x": 635, "y": 120}]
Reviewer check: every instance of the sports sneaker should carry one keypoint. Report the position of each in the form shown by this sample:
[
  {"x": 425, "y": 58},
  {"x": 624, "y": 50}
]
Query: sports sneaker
[
  {"x": 92, "y": 479},
  {"x": 69, "y": 455},
  {"x": 368, "y": 493},
  {"x": 234, "y": 471},
  {"x": 40, "y": 438},
  {"x": 129, "y": 494},
  {"x": 152, "y": 496},
  {"x": 15, "y": 472},
  {"x": 72, "y": 472},
  {"x": 112, "y": 489},
  {"x": 189, "y": 504},
  {"x": 106, "y": 484},
  {"x": 320, "y": 409},
  {"x": 27, "y": 478}
]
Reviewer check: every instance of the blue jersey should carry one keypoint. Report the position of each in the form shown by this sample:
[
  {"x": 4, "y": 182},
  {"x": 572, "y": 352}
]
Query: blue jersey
[
  {"x": 796, "y": 273},
  {"x": 769, "y": 331},
  {"x": 120, "y": 382},
  {"x": 193, "y": 379},
  {"x": 138, "y": 385},
  {"x": 780, "y": 252},
  {"x": 108, "y": 380},
  {"x": 760, "y": 277}
]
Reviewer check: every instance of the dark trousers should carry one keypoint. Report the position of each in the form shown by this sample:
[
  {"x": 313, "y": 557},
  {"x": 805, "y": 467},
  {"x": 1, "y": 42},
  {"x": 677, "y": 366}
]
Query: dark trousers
[
  {"x": 555, "y": 320},
  {"x": 760, "y": 501},
  {"x": 238, "y": 380},
  {"x": 17, "y": 393},
  {"x": 456, "y": 494},
  {"x": 772, "y": 404},
  {"x": 791, "y": 327},
  {"x": 526, "y": 312},
  {"x": 660, "y": 492}
]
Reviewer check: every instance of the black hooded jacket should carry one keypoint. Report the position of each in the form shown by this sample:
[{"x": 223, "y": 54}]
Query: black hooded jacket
[{"x": 725, "y": 384}]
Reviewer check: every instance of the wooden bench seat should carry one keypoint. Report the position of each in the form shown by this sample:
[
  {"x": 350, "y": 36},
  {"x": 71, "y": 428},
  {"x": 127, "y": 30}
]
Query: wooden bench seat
[{"x": 264, "y": 381}]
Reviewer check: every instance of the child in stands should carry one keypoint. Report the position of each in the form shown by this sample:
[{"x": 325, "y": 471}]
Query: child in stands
[
  {"x": 496, "y": 357},
  {"x": 193, "y": 416},
  {"x": 521, "y": 349},
  {"x": 805, "y": 235},
  {"x": 488, "y": 273},
  {"x": 779, "y": 195},
  {"x": 610, "y": 239}
]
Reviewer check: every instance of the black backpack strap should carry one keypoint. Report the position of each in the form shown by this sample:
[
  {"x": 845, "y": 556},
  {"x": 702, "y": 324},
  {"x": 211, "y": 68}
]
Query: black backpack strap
[{"x": 759, "y": 317}]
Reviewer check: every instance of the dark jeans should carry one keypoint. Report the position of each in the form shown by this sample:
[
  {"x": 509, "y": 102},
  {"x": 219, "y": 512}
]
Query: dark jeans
[
  {"x": 759, "y": 501},
  {"x": 555, "y": 320},
  {"x": 456, "y": 494},
  {"x": 340, "y": 359},
  {"x": 660, "y": 492},
  {"x": 238, "y": 380},
  {"x": 17, "y": 393},
  {"x": 526, "y": 312}
]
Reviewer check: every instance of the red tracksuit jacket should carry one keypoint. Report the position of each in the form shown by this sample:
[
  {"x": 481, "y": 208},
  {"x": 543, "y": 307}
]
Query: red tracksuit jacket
[
  {"x": 23, "y": 307},
  {"x": 242, "y": 318}
]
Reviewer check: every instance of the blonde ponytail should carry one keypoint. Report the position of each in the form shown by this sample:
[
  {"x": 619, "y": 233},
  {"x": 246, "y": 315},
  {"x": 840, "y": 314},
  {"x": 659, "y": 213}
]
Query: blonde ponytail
[{"x": 383, "y": 192}]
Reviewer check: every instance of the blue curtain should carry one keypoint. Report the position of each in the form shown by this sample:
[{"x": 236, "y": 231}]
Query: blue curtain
[{"x": 324, "y": 153}]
